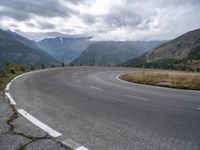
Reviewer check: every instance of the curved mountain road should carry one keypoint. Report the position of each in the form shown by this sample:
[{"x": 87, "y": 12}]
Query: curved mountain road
[{"x": 94, "y": 108}]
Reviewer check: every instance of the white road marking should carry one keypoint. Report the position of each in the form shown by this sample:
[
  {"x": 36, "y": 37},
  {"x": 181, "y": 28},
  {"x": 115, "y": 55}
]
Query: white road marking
[
  {"x": 74, "y": 77},
  {"x": 198, "y": 108},
  {"x": 94, "y": 87},
  {"x": 72, "y": 144},
  {"x": 136, "y": 97},
  {"x": 78, "y": 81},
  {"x": 40, "y": 124},
  {"x": 12, "y": 102},
  {"x": 82, "y": 148},
  {"x": 8, "y": 86},
  {"x": 117, "y": 77}
]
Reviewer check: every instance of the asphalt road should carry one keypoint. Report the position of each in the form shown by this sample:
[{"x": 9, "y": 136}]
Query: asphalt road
[{"x": 92, "y": 107}]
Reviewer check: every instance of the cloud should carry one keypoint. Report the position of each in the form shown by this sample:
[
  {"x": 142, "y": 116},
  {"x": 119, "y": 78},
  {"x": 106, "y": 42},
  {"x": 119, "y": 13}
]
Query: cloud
[
  {"x": 23, "y": 9},
  {"x": 102, "y": 19}
]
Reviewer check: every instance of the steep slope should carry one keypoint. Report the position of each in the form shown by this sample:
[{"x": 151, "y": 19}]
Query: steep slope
[
  {"x": 113, "y": 52},
  {"x": 64, "y": 48},
  {"x": 14, "y": 48},
  {"x": 182, "y": 52}
]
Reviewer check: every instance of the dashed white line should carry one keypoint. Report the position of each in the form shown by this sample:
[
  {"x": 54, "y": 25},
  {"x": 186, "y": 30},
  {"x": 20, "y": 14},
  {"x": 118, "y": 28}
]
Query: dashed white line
[
  {"x": 198, "y": 108},
  {"x": 78, "y": 81},
  {"x": 73, "y": 144},
  {"x": 74, "y": 77},
  {"x": 40, "y": 124},
  {"x": 136, "y": 97},
  {"x": 94, "y": 87},
  {"x": 82, "y": 148},
  {"x": 12, "y": 102}
]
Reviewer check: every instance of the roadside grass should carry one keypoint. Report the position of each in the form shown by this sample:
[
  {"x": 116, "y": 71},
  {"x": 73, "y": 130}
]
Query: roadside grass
[
  {"x": 19, "y": 69},
  {"x": 172, "y": 79}
]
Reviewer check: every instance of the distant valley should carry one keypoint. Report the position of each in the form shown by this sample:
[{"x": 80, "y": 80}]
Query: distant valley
[
  {"x": 64, "y": 48},
  {"x": 113, "y": 52}
]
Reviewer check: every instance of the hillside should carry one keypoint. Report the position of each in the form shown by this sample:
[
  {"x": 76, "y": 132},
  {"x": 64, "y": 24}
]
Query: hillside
[
  {"x": 113, "y": 52},
  {"x": 64, "y": 48},
  {"x": 14, "y": 48},
  {"x": 182, "y": 53}
]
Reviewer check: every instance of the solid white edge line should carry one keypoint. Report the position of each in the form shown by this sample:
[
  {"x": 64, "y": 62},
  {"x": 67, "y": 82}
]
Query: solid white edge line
[
  {"x": 117, "y": 77},
  {"x": 38, "y": 123},
  {"x": 8, "y": 86},
  {"x": 12, "y": 102},
  {"x": 81, "y": 148}
]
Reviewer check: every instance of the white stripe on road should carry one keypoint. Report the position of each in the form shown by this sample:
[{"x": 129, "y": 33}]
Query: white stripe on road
[
  {"x": 94, "y": 87},
  {"x": 117, "y": 77},
  {"x": 198, "y": 108},
  {"x": 78, "y": 81},
  {"x": 72, "y": 144},
  {"x": 140, "y": 98},
  {"x": 40, "y": 124},
  {"x": 8, "y": 86},
  {"x": 82, "y": 148},
  {"x": 74, "y": 77},
  {"x": 12, "y": 102}
]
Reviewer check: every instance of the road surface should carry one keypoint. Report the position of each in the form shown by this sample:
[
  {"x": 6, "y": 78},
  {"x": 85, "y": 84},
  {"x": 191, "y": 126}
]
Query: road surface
[{"x": 92, "y": 107}]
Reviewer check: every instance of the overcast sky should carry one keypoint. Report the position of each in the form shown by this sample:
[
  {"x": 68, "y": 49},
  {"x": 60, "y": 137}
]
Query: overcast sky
[{"x": 102, "y": 19}]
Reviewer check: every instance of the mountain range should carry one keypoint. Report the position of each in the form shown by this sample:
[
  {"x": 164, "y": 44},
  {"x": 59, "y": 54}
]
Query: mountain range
[
  {"x": 15, "y": 48},
  {"x": 182, "y": 52},
  {"x": 113, "y": 52},
  {"x": 64, "y": 48}
]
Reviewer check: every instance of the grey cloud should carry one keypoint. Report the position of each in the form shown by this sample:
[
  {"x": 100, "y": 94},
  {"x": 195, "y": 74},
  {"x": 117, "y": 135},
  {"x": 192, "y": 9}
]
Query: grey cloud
[
  {"x": 119, "y": 17},
  {"x": 23, "y": 9},
  {"x": 41, "y": 25},
  {"x": 17, "y": 15}
]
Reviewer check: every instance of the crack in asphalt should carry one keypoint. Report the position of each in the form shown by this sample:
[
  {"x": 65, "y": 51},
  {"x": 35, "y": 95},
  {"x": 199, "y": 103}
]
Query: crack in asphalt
[{"x": 32, "y": 139}]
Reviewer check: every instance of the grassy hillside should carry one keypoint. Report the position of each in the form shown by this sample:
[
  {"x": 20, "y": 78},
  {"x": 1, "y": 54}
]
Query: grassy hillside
[
  {"x": 182, "y": 53},
  {"x": 113, "y": 52}
]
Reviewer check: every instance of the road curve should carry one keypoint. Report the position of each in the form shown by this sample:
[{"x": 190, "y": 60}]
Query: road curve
[{"x": 92, "y": 107}]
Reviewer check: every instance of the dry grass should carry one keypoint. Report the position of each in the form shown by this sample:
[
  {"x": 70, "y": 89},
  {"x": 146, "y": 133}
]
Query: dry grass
[
  {"x": 5, "y": 80},
  {"x": 173, "y": 79}
]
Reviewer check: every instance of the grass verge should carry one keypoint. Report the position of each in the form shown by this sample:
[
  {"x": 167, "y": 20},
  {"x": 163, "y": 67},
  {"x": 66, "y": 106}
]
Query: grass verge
[
  {"x": 172, "y": 79},
  {"x": 19, "y": 69}
]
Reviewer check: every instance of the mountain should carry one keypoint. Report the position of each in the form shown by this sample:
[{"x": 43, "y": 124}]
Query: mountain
[
  {"x": 182, "y": 52},
  {"x": 15, "y": 48},
  {"x": 64, "y": 48},
  {"x": 113, "y": 52}
]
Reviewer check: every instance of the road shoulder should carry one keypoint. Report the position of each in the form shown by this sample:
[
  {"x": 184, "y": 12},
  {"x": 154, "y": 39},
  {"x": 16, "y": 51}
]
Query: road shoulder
[{"x": 19, "y": 134}]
